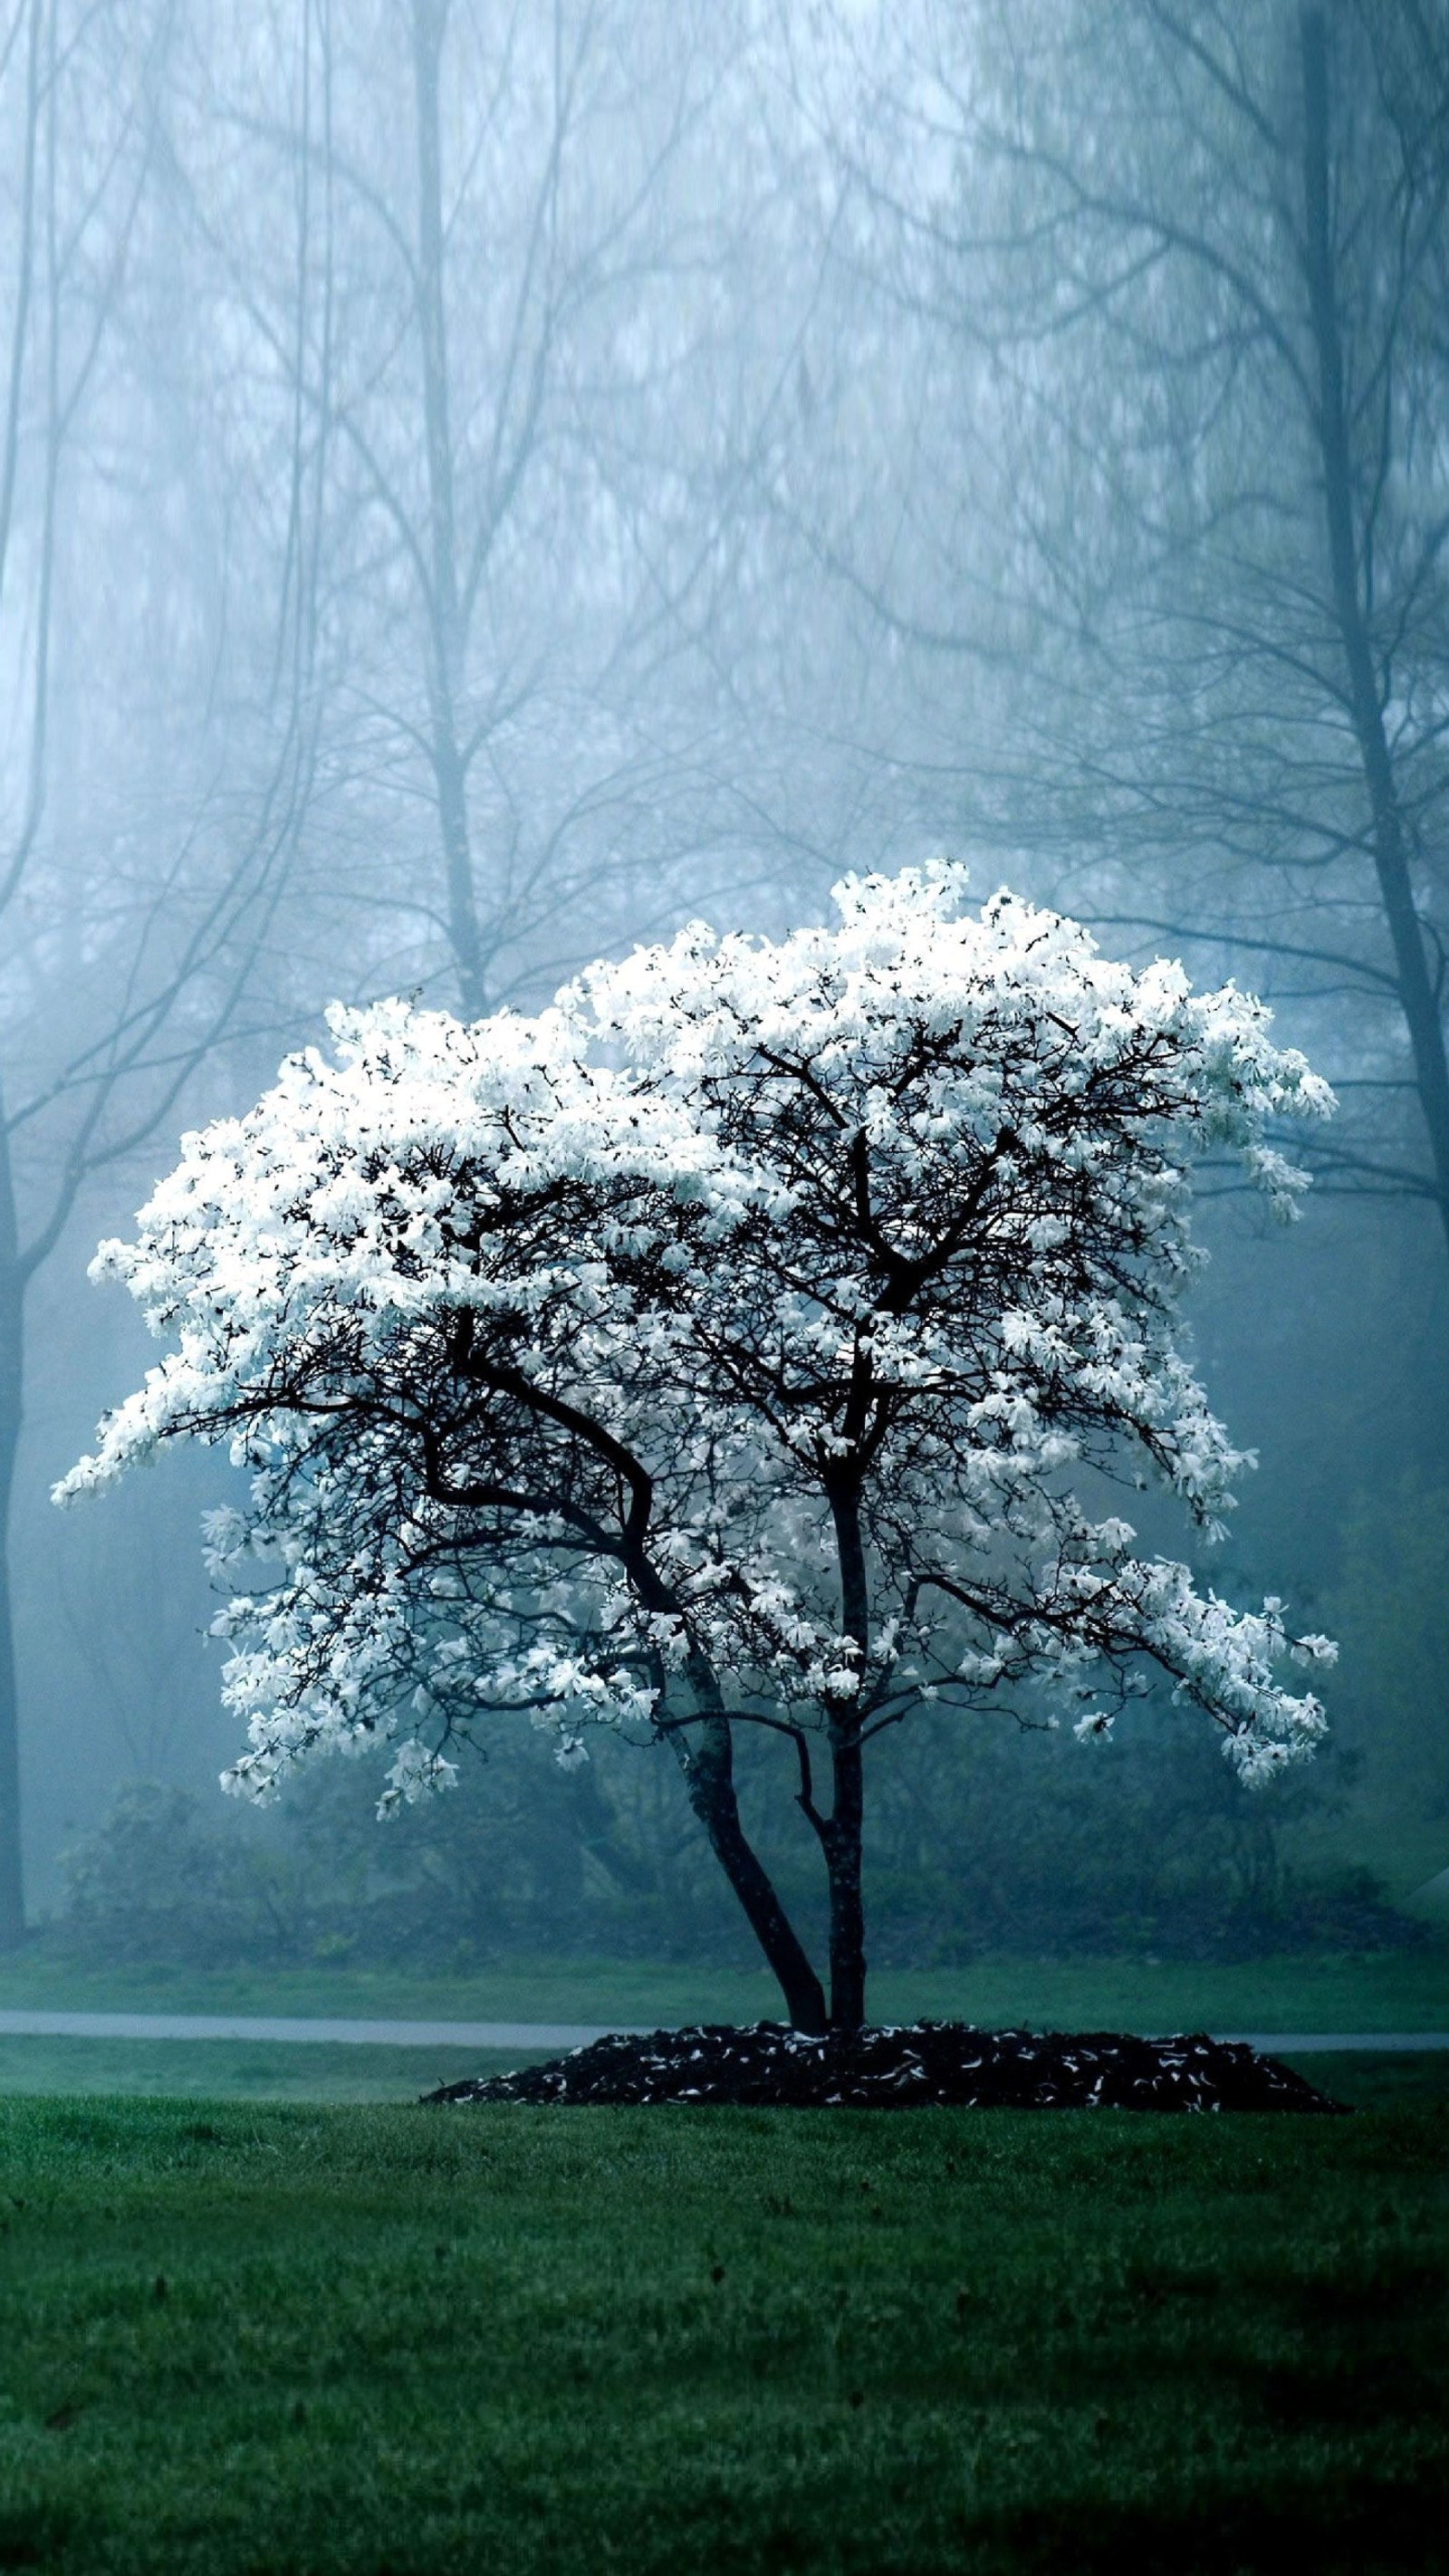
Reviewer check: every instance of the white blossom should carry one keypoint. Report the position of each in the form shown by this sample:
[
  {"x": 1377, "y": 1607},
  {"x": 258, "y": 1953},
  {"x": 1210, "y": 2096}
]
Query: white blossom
[{"x": 554, "y": 1348}]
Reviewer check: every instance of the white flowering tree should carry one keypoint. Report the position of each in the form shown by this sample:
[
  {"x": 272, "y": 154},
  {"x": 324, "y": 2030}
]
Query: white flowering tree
[{"x": 750, "y": 1340}]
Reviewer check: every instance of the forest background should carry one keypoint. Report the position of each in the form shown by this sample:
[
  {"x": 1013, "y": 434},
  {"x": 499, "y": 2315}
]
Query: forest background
[{"x": 481, "y": 484}]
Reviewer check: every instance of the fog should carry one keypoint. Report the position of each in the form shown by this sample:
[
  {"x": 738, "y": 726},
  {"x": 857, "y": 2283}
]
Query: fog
[{"x": 481, "y": 485}]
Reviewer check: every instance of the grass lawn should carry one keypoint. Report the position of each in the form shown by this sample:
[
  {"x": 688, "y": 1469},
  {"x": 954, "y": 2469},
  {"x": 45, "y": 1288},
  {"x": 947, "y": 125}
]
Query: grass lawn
[
  {"x": 1383, "y": 1990},
  {"x": 242, "y": 2070},
  {"x": 288, "y": 2340},
  {"x": 1395, "y": 1990}
]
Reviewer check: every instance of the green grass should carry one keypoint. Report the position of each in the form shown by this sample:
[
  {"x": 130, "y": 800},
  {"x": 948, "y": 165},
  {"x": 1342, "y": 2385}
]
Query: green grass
[
  {"x": 1388, "y": 1990},
  {"x": 269, "y": 2341},
  {"x": 1384, "y": 1991},
  {"x": 281, "y": 2071},
  {"x": 242, "y": 2070},
  {"x": 1367, "y": 2081}
]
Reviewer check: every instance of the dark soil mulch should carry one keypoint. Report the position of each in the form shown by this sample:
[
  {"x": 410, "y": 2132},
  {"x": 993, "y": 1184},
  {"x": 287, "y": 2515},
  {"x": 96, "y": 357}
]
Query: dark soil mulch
[{"x": 766, "y": 2062}]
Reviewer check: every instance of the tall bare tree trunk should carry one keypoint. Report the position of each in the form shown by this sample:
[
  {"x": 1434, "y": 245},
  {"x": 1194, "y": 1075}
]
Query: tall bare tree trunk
[
  {"x": 444, "y": 605},
  {"x": 1411, "y": 964},
  {"x": 12, "y": 1354}
]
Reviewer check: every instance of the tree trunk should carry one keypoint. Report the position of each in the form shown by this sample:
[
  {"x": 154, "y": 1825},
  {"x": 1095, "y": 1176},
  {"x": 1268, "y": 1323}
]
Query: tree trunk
[
  {"x": 444, "y": 606},
  {"x": 1411, "y": 965},
  {"x": 463, "y": 932},
  {"x": 709, "y": 1781},
  {"x": 12, "y": 1878},
  {"x": 12, "y": 1352},
  {"x": 843, "y": 1860},
  {"x": 840, "y": 1834}
]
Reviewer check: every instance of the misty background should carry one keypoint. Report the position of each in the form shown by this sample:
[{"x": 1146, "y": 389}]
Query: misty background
[{"x": 480, "y": 484}]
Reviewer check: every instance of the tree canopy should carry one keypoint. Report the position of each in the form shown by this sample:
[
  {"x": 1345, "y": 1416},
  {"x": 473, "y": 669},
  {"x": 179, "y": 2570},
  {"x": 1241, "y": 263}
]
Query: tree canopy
[{"x": 755, "y": 1337}]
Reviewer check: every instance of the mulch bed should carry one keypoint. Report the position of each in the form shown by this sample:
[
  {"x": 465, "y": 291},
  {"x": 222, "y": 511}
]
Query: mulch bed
[{"x": 767, "y": 2063}]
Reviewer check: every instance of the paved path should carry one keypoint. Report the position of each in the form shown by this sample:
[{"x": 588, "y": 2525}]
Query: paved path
[
  {"x": 541, "y": 2034},
  {"x": 370, "y": 2034},
  {"x": 1332, "y": 2043}
]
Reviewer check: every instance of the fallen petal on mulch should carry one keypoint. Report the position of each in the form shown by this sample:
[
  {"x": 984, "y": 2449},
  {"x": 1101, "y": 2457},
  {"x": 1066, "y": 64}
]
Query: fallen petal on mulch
[{"x": 767, "y": 2063}]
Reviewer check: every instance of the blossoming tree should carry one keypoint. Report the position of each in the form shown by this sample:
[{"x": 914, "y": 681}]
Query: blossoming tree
[{"x": 748, "y": 1340}]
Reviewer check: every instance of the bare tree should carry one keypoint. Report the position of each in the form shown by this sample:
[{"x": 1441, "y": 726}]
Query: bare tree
[
  {"x": 1174, "y": 503},
  {"x": 490, "y": 334},
  {"x": 137, "y": 917}
]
